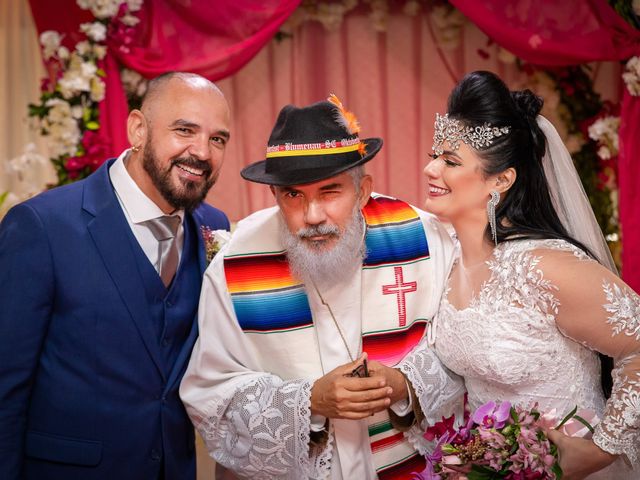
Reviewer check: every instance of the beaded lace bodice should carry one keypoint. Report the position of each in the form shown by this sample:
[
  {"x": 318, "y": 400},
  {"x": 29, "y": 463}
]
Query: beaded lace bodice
[{"x": 532, "y": 332}]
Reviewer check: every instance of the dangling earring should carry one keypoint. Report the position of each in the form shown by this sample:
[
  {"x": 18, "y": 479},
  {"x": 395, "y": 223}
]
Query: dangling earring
[{"x": 491, "y": 213}]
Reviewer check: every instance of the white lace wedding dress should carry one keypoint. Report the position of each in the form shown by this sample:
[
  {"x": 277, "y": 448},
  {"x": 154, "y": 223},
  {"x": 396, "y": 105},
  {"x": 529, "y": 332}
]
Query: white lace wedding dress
[{"x": 531, "y": 335}]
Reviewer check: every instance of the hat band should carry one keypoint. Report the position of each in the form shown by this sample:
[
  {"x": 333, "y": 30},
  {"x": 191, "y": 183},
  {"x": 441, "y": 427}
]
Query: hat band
[
  {"x": 306, "y": 162},
  {"x": 328, "y": 147}
]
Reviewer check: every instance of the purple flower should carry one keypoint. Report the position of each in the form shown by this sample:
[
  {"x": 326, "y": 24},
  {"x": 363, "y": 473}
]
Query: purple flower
[
  {"x": 427, "y": 474},
  {"x": 491, "y": 416}
]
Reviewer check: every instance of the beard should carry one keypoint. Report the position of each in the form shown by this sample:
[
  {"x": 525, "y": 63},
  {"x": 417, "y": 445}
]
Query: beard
[
  {"x": 314, "y": 262},
  {"x": 180, "y": 194}
]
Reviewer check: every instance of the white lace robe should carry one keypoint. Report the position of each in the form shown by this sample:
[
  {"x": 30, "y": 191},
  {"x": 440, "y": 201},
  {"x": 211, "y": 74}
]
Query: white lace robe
[
  {"x": 257, "y": 424},
  {"x": 531, "y": 335}
]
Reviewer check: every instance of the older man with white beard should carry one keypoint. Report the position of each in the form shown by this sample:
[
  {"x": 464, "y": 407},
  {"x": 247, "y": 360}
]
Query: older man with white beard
[{"x": 309, "y": 362}]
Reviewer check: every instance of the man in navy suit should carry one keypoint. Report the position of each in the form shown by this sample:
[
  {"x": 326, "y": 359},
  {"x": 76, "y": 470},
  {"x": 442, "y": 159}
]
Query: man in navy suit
[{"x": 97, "y": 311}]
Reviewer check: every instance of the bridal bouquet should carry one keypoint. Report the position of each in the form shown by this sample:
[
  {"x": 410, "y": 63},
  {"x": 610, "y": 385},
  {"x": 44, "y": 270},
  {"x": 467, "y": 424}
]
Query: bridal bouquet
[{"x": 498, "y": 441}]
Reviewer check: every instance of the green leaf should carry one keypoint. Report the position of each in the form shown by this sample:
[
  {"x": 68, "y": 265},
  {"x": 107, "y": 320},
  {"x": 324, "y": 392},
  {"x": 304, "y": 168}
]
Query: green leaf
[
  {"x": 92, "y": 125},
  {"x": 3, "y": 197},
  {"x": 101, "y": 73},
  {"x": 514, "y": 415},
  {"x": 481, "y": 472},
  {"x": 569, "y": 416},
  {"x": 557, "y": 470},
  {"x": 584, "y": 422}
]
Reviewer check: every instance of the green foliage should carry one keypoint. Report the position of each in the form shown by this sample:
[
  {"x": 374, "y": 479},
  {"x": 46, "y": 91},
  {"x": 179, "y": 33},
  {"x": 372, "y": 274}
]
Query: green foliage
[{"x": 624, "y": 8}]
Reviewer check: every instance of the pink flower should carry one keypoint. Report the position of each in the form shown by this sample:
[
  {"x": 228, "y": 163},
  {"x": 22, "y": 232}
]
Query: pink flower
[
  {"x": 440, "y": 428},
  {"x": 491, "y": 416},
  {"x": 96, "y": 149}
]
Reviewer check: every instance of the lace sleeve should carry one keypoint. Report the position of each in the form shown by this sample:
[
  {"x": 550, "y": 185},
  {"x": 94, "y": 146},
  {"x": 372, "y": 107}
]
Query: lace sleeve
[
  {"x": 262, "y": 430},
  {"x": 254, "y": 423},
  {"x": 439, "y": 391},
  {"x": 599, "y": 311}
]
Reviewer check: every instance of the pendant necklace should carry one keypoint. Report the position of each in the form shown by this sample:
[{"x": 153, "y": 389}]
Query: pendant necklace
[{"x": 335, "y": 322}]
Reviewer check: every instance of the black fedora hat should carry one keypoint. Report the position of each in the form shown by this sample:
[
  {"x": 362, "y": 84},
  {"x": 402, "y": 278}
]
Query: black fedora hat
[{"x": 312, "y": 143}]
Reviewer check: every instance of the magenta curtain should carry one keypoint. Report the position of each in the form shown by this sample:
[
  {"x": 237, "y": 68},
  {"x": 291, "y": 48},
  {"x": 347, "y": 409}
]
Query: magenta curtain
[
  {"x": 552, "y": 33},
  {"x": 211, "y": 38}
]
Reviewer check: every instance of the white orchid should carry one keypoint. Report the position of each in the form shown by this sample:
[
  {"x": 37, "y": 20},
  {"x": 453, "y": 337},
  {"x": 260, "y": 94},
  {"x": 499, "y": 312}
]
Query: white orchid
[
  {"x": 74, "y": 82},
  {"x": 50, "y": 41},
  {"x": 63, "y": 53},
  {"x": 96, "y": 31},
  {"x": 605, "y": 132},
  {"x": 101, "y": 8},
  {"x": 631, "y": 76},
  {"x": 133, "y": 82},
  {"x": 604, "y": 153},
  {"x": 100, "y": 51},
  {"x": 97, "y": 89},
  {"x": 130, "y": 20}
]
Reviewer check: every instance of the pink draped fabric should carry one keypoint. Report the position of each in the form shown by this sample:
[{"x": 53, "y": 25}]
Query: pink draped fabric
[
  {"x": 552, "y": 33},
  {"x": 211, "y": 38},
  {"x": 629, "y": 192}
]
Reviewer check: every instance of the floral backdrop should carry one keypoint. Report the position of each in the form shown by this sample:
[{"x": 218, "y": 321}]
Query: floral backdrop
[{"x": 71, "y": 108}]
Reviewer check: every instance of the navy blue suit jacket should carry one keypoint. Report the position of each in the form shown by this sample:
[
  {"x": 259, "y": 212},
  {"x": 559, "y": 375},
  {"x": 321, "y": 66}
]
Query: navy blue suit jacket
[{"x": 83, "y": 391}]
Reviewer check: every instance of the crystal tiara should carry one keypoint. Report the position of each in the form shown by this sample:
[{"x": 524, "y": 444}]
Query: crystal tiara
[{"x": 453, "y": 131}]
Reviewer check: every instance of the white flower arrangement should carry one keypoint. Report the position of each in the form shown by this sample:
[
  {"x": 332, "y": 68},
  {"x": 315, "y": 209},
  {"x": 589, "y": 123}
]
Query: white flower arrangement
[
  {"x": 447, "y": 26},
  {"x": 605, "y": 132},
  {"x": 68, "y": 106},
  {"x": 28, "y": 174},
  {"x": 631, "y": 75},
  {"x": 133, "y": 82}
]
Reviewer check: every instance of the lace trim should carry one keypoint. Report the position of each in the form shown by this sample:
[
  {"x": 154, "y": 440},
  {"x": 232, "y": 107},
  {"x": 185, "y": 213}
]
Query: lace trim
[
  {"x": 439, "y": 392},
  {"x": 517, "y": 280},
  {"x": 624, "y": 306},
  {"x": 619, "y": 431},
  {"x": 262, "y": 430},
  {"x": 319, "y": 456}
]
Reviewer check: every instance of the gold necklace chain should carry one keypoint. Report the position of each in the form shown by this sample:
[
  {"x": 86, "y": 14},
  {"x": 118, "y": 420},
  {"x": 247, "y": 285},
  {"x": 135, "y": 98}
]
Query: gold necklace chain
[{"x": 334, "y": 321}]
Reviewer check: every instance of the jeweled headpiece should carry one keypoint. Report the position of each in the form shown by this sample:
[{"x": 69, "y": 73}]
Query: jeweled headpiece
[{"x": 453, "y": 131}]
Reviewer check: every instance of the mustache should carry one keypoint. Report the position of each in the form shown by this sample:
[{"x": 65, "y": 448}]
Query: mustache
[
  {"x": 316, "y": 230},
  {"x": 193, "y": 162}
]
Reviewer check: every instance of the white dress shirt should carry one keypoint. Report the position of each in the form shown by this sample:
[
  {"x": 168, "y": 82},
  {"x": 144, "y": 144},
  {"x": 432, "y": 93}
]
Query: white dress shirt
[{"x": 138, "y": 208}]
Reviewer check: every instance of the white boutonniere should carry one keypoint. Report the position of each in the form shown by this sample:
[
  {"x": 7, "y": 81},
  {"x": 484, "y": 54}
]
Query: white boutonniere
[{"x": 213, "y": 241}]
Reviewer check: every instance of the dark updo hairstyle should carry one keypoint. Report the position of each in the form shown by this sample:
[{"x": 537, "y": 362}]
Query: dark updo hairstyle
[{"x": 526, "y": 210}]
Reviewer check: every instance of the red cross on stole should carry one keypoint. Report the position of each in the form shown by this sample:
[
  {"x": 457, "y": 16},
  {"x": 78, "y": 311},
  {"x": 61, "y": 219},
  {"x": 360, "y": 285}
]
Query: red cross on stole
[{"x": 400, "y": 289}]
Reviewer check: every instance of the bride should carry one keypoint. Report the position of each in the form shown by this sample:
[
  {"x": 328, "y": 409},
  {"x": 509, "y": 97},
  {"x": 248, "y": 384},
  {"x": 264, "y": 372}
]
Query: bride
[{"x": 533, "y": 294}]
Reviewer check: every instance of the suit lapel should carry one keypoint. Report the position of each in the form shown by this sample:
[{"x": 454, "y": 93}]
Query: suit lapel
[
  {"x": 202, "y": 253},
  {"x": 111, "y": 234}
]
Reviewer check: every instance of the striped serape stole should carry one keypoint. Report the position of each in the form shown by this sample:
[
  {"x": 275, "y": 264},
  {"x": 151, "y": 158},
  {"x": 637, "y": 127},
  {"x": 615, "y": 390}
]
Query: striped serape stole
[
  {"x": 266, "y": 298},
  {"x": 393, "y": 320}
]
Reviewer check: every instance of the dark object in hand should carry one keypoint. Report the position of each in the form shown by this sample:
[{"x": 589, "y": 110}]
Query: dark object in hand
[{"x": 361, "y": 370}]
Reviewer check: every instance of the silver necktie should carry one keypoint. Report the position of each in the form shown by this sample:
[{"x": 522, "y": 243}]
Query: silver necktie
[{"x": 165, "y": 229}]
